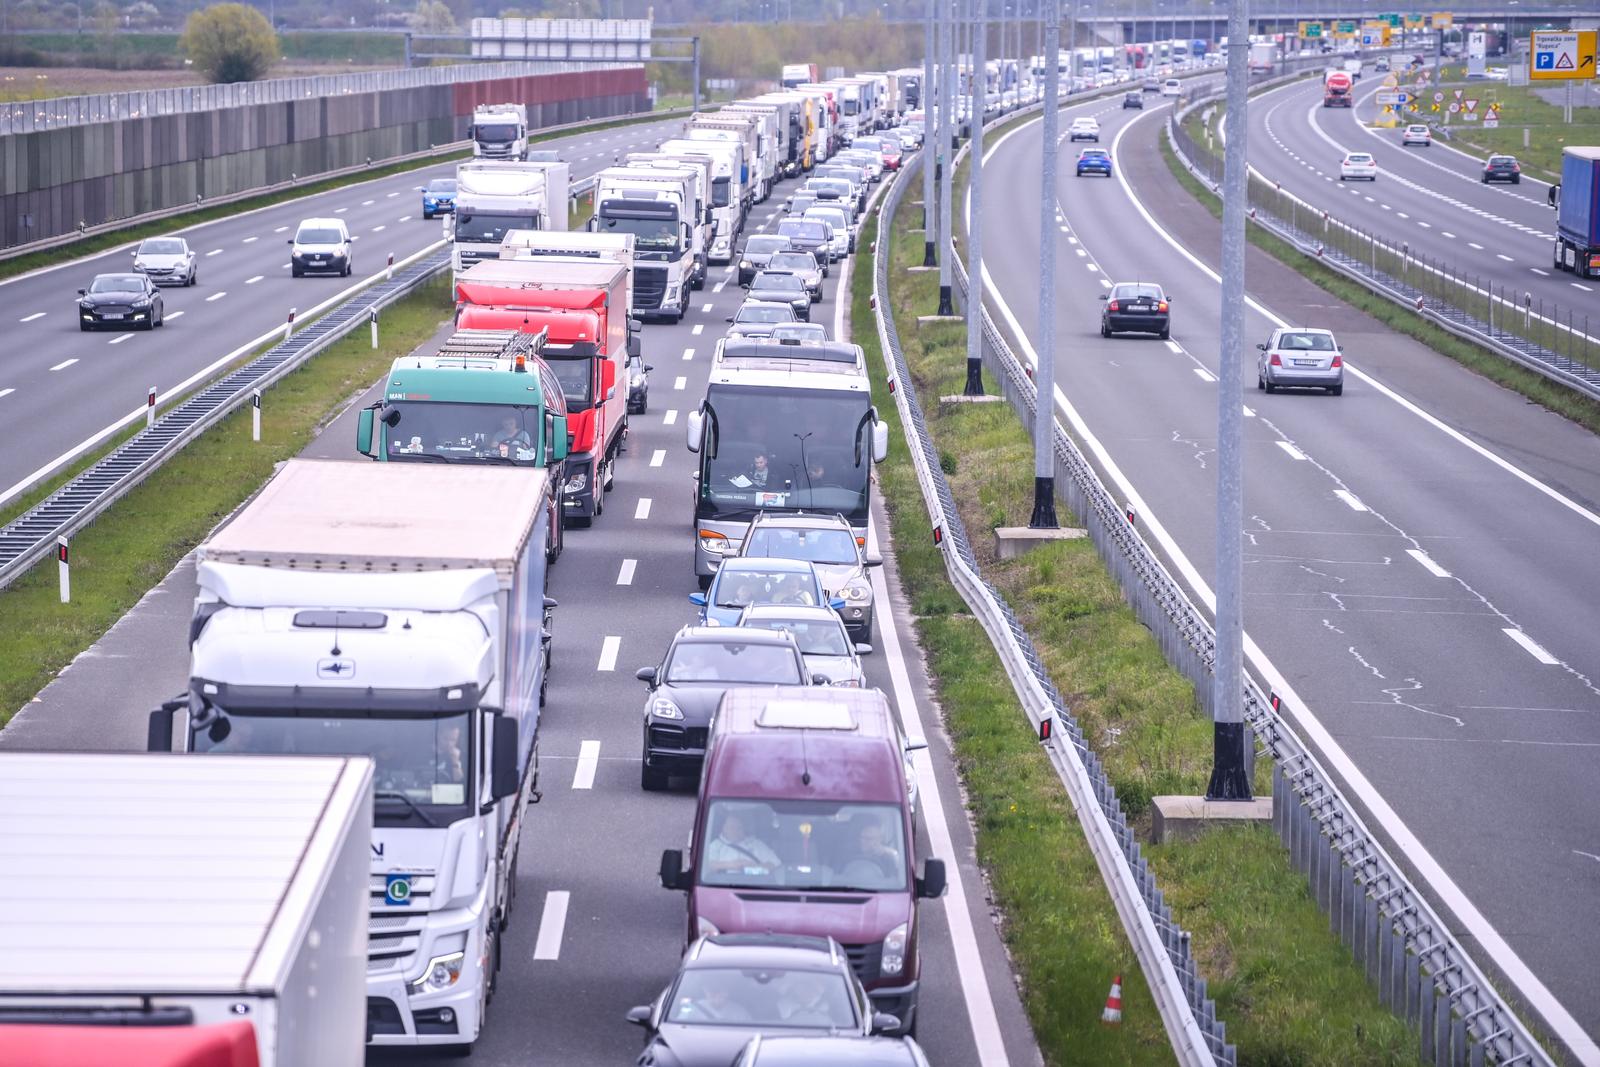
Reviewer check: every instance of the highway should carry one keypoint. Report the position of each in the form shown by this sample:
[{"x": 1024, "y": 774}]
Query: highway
[
  {"x": 1420, "y": 575},
  {"x": 63, "y": 390},
  {"x": 593, "y": 933},
  {"x": 1430, "y": 198}
]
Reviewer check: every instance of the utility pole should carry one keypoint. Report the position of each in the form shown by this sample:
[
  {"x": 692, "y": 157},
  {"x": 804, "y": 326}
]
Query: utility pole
[
  {"x": 980, "y": 78},
  {"x": 930, "y": 142},
  {"x": 947, "y": 148},
  {"x": 1044, "y": 375},
  {"x": 1229, "y": 779}
]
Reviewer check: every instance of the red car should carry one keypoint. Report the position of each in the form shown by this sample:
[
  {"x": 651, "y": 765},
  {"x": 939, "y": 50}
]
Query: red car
[{"x": 891, "y": 156}]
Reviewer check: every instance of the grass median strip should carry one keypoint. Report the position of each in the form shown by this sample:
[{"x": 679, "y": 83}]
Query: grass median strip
[
  {"x": 1287, "y": 988},
  {"x": 144, "y": 535}
]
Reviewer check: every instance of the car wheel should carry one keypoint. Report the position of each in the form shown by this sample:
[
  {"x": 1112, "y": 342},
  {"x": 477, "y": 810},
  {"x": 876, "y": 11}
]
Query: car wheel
[
  {"x": 161, "y": 318},
  {"x": 1270, "y": 387},
  {"x": 1105, "y": 331},
  {"x": 1341, "y": 177},
  {"x": 1165, "y": 333},
  {"x": 426, "y": 215},
  {"x": 1336, "y": 390},
  {"x": 83, "y": 327},
  {"x": 150, "y": 323},
  {"x": 1261, "y": 383},
  {"x": 1517, "y": 180},
  {"x": 652, "y": 780}
]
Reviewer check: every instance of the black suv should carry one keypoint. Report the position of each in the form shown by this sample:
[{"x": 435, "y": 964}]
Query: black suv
[{"x": 1133, "y": 100}]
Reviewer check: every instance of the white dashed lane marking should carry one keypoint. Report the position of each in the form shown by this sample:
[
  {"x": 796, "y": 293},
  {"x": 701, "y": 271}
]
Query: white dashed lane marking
[{"x": 35, "y": 315}]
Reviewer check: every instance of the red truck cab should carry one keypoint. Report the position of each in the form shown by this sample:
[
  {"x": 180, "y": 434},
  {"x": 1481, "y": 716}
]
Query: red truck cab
[
  {"x": 584, "y": 305},
  {"x": 804, "y": 826}
]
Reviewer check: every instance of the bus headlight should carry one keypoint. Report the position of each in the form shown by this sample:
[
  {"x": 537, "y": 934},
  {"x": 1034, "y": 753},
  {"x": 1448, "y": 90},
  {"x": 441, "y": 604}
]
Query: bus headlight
[{"x": 715, "y": 543}]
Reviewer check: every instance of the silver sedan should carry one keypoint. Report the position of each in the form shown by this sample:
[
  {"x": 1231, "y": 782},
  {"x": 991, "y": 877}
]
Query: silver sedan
[{"x": 1300, "y": 358}]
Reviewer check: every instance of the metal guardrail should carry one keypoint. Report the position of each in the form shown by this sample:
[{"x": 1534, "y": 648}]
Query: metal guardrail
[
  {"x": 1421, "y": 971},
  {"x": 1515, "y": 327},
  {"x": 85, "y": 497},
  {"x": 1198, "y": 1037}
]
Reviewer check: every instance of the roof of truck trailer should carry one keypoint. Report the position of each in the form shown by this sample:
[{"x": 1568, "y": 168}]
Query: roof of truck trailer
[
  {"x": 541, "y": 272},
  {"x": 131, "y": 873},
  {"x": 390, "y": 517}
]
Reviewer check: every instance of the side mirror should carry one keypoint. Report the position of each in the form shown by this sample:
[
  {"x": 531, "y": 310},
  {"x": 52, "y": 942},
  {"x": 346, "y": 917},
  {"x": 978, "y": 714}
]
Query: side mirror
[
  {"x": 639, "y": 1016},
  {"x": 558, "y": 446},
  {"x": 646, "y": 674},
  {"x": 504, "y": 781},
  {"x": 1103, "y": 296},
  {"x": 290, "y": 241},
  {"x": 85, "y": 292},
  {"x": 863, "y": 649},
  {"x": 884, "y": 1023},
  {"x": 364, "y": 427},
  {"x": 916, "y": 746},
  {"x": 697, "y": 599},
  {"x": 693, "y": 429},
  {"x": 158, "y": 737},
  {"x": 673, "y": 876},
  {"x": 648, "y": 367},
  {"x": 874, "y": 561},
  {"x": 422, "y": 188},
  {"x": 1262, "y": 346},
  {"x": 931, "y": 885},
  {"x": 635, "y": 325},
  {"x": 880, "y": 443},
  {"x": 728, "y": 319}
]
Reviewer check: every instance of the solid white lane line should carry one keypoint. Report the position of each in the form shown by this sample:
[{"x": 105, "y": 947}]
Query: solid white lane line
[
  {"x": 1294, "y": 453},
  {"x": 167, "y": 315},
  {"x": 679, "y": 383},
  {"x": 625, "y": 573},
  {"x": 252, "y": 281},
  {"x": 670, "y": 417},
  {"x": 1531, "y": 647},
  {"x": 658, "y": 457},
  {"x": 1350, "y": 499},
  {"x": 214, "y": 252},
  {"x": 1427, "y": 563},
  {"x": 216, "y": 296},
  {"x": 35, "y": 315},
  {"x": 699, "y": 328},
  {"x": 643, "y": 510},
  {"x": 1205, "y": 375},
  {"x": 588, "y": 763},
  {"x": 64, "y": 364},
  {"x": 688, "y": 353},
  {"x": 551, "y": 925},
  {"x": 608, "y": 653}
]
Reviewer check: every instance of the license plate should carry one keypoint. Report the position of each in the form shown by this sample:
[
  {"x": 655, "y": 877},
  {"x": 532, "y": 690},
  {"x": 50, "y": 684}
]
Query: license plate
[
  {"x": 116, "y": 315},
  {"x": 1305, "y": 363}
]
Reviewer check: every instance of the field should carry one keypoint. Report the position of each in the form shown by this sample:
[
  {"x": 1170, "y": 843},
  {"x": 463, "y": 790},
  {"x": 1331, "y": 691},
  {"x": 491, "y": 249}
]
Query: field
[{"x": 1524, "y": 113}]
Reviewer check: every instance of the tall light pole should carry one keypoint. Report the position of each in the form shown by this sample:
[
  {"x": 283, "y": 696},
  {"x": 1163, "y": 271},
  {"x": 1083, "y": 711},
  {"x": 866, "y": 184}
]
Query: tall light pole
[
  {"x": 947, "y": 146},
  {"x": 980, "y": 79},
  {"x": 1044, "y": 375},
  {"x": 1229, "y": 779},
  {"x": 930, "y": 143}
]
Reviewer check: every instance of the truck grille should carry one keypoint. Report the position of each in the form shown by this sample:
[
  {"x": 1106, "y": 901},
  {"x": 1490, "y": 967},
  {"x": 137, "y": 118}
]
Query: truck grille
[
  {"x": 649, "y": 286},
  {"x": 469, "y": 256},
  {"x": 394, "y": 932}
]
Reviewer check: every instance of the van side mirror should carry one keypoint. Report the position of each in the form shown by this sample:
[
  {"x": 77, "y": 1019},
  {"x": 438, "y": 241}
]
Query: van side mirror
[
  {"x": 673, "y": 876},
  {"x": 504, "y": 781},
  {"x": 931, "y": 885},
  {"x": 364, "y": 427}
]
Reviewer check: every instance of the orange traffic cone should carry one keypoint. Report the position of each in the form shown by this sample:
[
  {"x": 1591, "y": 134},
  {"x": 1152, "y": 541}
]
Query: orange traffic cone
[{"x": 1112, "y": 1015}]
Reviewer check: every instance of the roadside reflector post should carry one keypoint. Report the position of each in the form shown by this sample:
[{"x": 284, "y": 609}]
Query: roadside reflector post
[
  {"x": 373, "y": 315},
  {"x": 1527, "y": 311},
  {"x": 255, "y": 415},
  {"x": 62, "y": 564},
  {"x": 288, "y": 327},
  {"x": 150, "y": 408},
  {"x": 390, "y": 276},
  {"x": 1047, "y": 729}
]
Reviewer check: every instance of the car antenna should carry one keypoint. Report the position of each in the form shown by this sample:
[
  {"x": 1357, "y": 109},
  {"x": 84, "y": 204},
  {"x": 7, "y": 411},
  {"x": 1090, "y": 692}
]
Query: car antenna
[{"x": 805, "y": 761}]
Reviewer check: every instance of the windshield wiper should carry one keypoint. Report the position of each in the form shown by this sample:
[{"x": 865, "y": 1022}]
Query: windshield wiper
[{"x": 390, "y": 794}]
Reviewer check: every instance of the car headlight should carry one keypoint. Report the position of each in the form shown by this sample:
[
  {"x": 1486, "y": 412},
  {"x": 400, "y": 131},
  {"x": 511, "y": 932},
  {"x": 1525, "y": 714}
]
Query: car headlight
[
  {"x": 576, "y": 483},
  {"x": 704, "y": 927},
  {"x": 442, "y": 972},
  {"x": 664, "y": 708},
  {"x": 858, "y": 590},
  {"x": 715, "y": 543},
  {"x": 894, "y": 950},
  {"x": 744, "y": 264},
  {"x": 142, "y": 302}
]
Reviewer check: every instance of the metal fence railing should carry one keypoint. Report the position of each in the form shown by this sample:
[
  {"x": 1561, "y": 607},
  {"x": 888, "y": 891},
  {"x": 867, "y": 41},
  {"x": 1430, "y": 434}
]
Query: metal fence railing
[
  {"x": 29, "y": 116},
  {"x": 1421, "y": 970},
  {"x": 1551, "y": 340}
]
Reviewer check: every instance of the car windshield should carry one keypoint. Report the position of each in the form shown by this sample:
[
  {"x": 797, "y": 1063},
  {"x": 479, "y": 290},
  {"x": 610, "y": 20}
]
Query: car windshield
[
  {"x": 739, "y": 587},
  {"x": 424, "y": 758},
  {"x": 778, "y": 282},
  {"x": 1136, "y": 292},
  {"x": 799, "y": 331},
  {"x": 442, "y": 185},
  {"x": 768, "y": 999},
  {"x": 117, "y": 283},
  {"x": 318, "y": 236},
  {"x": 1306, "y": 342},
  {"x": 765, "y": 313},
  {"x": 486, "y": 228},
  {"x": 733, "y": 661},
  {"x": 815, "y": 637},
  {"x": 161, "y": 246},
  {"x": 813, "y": 546},
  {"x": 576, "y": 378},
  {"x": 766, "y": 245},
  {"x": 811, "y": 843},
  {"x": 432, "y": 430},
  {"x": 793, "y": 261}
]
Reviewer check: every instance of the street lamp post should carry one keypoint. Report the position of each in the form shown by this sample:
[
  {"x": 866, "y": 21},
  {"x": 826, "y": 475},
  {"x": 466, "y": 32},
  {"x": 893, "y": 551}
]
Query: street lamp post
[
  {"x": 947, "y": 147},
  {"x": 980, "y": 78},
  {"x": 930, "y": 141},
  {"x": 1044, "y": 375}
]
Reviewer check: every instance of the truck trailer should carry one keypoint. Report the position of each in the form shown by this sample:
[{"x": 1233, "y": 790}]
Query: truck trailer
[
  {"x": 395, "y": 611},
  {"x": 1577, "y": 247},
  {"x": 184, "y": 913}
]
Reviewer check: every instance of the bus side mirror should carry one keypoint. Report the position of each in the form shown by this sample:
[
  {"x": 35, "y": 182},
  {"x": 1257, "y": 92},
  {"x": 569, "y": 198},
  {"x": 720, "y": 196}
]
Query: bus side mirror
[
  {"x": 364, "y": 421},
  {"x": 693, "y": 429},
  {"x": 880, "y": 442}
]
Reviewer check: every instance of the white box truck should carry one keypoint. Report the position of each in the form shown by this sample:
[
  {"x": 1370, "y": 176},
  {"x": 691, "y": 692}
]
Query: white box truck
[
  {"x": 657, "y": 208},
  {"x": 729, "y": 203},
  {"x": 702, "y": 224},
  {"x": 770, "y": 146},
  {"x": 754, "y": 177},
  {"x": 159, "y": 911},
  {"x": 499, "y": 131},
  {"x": 396, "y": 611},
  {"x": 494, "y": 197}
]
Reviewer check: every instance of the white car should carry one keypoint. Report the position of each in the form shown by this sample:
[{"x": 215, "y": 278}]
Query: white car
[
  {"x": 321, "y": 246},
  {"x": 1417, "y": 134},
  {"x": 1172, "y": 87},
  {"x": 1084, "y": 129},
  {"x": 1358, "y": 165},
  {"x": 841, "y": 242}
]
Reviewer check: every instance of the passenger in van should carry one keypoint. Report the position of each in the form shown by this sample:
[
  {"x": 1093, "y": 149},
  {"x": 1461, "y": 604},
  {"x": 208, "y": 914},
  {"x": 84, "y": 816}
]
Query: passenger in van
[{"x": 733, "y": 849}]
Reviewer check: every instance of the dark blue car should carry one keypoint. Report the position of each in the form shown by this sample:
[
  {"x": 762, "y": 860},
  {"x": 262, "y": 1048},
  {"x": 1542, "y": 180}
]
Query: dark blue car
[
  {"x": 1094, "y": 161},
  {"x": 438, "y": 197}
]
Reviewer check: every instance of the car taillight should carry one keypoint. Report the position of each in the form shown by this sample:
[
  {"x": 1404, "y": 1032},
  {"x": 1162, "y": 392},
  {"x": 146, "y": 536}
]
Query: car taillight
[
  {"x": 1111, "y": 305},
  {"x": 1162, "y": 306},
  {"x": 1338, "y": 361},
  {"x": 1277, "y": 360},
  {"x": 1516, "y": 168}
]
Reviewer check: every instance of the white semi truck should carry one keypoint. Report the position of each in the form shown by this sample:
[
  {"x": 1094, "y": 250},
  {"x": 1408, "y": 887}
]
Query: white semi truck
[
  {"x": 493, "y": 198},
  {"x": 162, "y": 911},
  {"x": 702, "y": 224},
  {"x": 756, "y": 176},
  {"x": 729, "y": 202},
  {"x": 657, "y": 208},
  {"x": 770, "y": 146},
  {"x": 499, "y": 131},
  {"x": 396, "y": 611}
]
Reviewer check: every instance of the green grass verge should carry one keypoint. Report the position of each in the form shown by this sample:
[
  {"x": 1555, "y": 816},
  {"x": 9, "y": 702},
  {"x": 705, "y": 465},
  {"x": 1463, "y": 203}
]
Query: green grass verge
[
  {"x": 1537, "y": 388},
  {"x": 1522, "y": 109},
  {"x": 133, "y": 546},
  {"x": 1288, "y": 989}
]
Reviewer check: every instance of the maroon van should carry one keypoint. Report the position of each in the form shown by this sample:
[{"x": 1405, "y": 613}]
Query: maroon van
[{"x": 804, "y": 826}]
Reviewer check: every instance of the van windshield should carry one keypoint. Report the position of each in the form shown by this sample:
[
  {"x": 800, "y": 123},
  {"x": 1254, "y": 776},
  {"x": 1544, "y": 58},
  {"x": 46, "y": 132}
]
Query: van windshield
[{"x": 812, "y": 844}]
